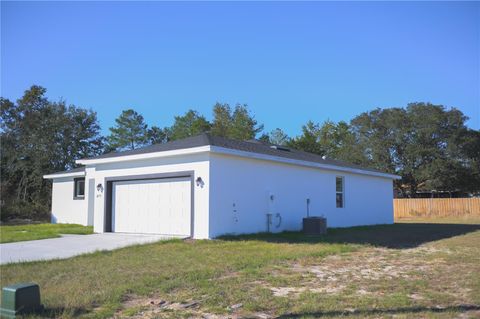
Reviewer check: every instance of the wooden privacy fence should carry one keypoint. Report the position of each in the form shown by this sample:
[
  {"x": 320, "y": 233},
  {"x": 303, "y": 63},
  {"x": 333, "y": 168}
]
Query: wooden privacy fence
[{"x": 436, "y": 207}]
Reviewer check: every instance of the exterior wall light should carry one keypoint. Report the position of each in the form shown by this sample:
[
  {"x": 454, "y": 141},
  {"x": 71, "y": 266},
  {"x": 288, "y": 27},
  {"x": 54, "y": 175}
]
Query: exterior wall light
[
  {"x": 199, "y": 181},
  {"x": 99, "y": 187}
]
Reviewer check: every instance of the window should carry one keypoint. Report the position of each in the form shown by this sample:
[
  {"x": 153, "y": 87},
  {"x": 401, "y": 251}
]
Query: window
[
  {"x": 79, "y": 188},
  {"x": 339, "y": 192}
]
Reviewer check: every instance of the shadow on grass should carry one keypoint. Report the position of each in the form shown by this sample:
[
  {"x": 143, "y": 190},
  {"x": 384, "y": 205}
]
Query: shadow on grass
[
  {"x": 58, "y": 312},
  {"x": 367, "y": 312},
  {"x": 391, "y": 236}
]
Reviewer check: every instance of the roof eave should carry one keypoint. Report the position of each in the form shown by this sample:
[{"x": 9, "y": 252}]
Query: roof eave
[
  {"x": 222, "y": 150},
  {"x": 143, "y": 156},
  {"x": 66, "y": 174},
  {"x": 228, "y": 151}
]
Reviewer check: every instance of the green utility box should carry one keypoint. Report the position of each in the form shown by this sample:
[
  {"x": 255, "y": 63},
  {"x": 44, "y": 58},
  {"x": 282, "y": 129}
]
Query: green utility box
[{"x": 20, "y": 299}]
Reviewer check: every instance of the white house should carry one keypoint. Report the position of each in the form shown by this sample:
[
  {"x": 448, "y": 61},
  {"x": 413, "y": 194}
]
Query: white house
[{"x": 206, "y": 186}]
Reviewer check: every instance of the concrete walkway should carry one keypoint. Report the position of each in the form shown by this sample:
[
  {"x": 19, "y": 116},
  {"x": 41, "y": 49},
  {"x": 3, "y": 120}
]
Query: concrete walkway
[{"x": 70, "y": 245}]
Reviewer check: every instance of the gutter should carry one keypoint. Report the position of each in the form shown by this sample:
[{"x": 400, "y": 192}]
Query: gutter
[
  {"x": 228, "y": 151},
  {"x": 134, "y": 157},
  {"x": 66, "y": 174}
]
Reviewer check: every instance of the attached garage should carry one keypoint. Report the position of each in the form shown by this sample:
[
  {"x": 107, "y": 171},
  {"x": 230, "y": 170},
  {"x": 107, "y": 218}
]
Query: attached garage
[
  {"x": 206, "y": 186},
  {"x": 152, "y": 206}
]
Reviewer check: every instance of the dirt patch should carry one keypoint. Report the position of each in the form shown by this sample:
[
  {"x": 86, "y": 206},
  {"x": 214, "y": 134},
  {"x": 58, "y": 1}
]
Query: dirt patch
[
  {"x": 365, "y": 272},
  {"x": 369, "y": 264},
  {"x": 132, "y": 301},
  {"x": 139, "y": 307},
  {"x": 286, "y": 291},
  {"x": 134, "y": 306}
]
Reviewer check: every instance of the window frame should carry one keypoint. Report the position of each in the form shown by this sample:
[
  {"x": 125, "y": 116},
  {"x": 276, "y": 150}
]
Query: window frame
[
  {"x": 342, "y": 192},
  {"x": 75, "y": 188}
]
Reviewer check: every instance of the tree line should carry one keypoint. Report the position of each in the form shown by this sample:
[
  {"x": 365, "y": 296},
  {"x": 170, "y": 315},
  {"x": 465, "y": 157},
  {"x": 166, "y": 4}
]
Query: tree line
[
  {"x": 428, "y": 145},
  {"x": 131, "y": 131}
]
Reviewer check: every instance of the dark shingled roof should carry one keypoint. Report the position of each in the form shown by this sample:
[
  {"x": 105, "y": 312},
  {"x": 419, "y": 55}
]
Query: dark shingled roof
[
  {"x": 189, "y": 142},
  {"x": 252, "y": 146},
  {"x": 73, "y": 170}
]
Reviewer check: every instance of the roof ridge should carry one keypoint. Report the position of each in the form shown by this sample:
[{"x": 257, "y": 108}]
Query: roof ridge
[{"x": 207, "y": 136}]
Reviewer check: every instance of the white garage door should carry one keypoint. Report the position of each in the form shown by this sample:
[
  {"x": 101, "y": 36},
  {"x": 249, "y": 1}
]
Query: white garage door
[{"x": 156, "y": 206}]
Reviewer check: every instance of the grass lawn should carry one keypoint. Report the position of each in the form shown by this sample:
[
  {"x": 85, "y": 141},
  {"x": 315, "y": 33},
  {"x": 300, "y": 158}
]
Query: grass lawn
[
  {"x": 9, "y": 234},
  {"x": 407, "y": 270}
]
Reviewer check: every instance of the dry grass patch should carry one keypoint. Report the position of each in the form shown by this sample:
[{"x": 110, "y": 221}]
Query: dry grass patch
[{"x": 440, "y": 278}]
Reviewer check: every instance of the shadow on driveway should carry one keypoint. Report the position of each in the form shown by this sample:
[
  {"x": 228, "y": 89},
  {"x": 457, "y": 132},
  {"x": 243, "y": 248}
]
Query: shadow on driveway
[{"x": 401, "y": 235}]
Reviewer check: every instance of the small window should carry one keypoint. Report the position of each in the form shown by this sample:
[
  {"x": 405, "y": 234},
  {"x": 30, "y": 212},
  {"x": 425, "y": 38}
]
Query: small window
[
  {"x": 79, "y": 188},
  {"x": 340, "y": 192}
]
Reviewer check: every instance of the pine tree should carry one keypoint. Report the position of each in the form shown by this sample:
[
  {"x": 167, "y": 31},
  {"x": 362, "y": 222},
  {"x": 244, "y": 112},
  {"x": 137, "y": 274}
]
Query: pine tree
[{"x": 130, "y": 131}]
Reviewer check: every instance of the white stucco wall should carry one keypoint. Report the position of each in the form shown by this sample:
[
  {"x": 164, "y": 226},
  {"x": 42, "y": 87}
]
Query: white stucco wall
[
  {"x": 198, "y": 163},
  {"x": 65, "y": 209},
  {"x": 240, "y": 189},
  {"x": 235, "y": 197}
]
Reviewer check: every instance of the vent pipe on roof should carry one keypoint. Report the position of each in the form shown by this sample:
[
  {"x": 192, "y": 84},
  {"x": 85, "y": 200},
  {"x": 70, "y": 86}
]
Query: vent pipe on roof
[{"x": 280, "y": 148}]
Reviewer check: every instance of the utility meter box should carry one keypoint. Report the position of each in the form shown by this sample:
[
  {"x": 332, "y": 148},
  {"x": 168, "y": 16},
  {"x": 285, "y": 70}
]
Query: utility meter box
[
  {"x": 314, "y": 226},
  {"x": 20, "y": 299}
]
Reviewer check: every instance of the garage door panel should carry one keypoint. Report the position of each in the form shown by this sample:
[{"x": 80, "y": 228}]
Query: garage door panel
[{"x": 157, "y": 206}]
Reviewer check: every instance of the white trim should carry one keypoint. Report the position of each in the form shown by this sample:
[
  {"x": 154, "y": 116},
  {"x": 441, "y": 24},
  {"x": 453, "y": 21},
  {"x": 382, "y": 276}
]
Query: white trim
[
  {"x": 125, "y": 158},
  {"x": 222, "y": 150},
  {"x": 66, "y": 174},
  {"x": 228, "y": 151}
]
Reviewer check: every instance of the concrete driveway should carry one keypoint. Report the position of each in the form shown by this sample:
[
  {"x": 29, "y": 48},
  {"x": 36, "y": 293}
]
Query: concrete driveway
[{"x": 70, "y": 245}]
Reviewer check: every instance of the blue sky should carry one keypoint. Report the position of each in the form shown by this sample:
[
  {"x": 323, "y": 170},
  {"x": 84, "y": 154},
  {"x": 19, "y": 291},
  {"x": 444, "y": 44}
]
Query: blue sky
[{"x": 290, "y": 62}]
